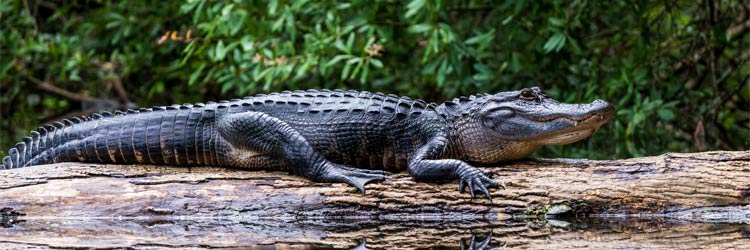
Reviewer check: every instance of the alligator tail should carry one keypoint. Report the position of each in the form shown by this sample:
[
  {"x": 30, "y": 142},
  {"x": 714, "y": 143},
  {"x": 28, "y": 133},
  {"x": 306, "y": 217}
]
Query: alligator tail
[
  {"x": 174, "y": 135},
  {"x": 45, "y": 145}
]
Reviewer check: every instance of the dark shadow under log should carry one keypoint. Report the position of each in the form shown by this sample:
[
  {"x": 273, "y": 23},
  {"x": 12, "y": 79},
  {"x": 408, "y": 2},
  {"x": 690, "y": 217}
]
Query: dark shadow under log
[{"x": 144, "y": 205}]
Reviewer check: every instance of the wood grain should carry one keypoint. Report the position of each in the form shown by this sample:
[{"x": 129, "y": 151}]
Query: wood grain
[{"x": 83, "y": 204}]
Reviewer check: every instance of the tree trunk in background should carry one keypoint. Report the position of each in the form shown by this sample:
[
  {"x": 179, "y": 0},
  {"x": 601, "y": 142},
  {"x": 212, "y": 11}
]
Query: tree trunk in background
[{"x": 240, "y": 208}]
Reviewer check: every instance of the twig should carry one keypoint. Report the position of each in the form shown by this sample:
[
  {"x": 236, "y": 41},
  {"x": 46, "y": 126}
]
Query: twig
[
  {"x": 45, "y": 86},
  {"x": 741, "y": 27},
  {"x": 117, "y": 82}
]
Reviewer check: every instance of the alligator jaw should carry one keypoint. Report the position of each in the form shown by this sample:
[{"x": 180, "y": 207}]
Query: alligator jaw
[
  {"x": 580, "y": 129},
  {"x": 566, "y": 138},
  {"x": 575, "y": 128}
]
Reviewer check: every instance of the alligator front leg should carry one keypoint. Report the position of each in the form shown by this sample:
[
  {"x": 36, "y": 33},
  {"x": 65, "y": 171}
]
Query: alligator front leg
[
  {"x": 259, "y": 132},
  {"x": 426, "y": 167}
]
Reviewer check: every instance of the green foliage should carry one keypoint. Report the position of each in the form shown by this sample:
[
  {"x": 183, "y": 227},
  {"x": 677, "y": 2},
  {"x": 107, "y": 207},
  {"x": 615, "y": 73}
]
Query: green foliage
[{"x": 666, "y": 65}]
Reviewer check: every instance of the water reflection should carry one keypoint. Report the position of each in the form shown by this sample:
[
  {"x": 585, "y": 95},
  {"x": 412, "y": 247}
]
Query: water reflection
[{"x": 287, "y": 233}]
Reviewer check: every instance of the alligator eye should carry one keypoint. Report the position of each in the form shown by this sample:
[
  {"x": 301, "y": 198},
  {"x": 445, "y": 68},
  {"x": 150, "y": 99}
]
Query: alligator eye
[{"x": 528, "y": 94}]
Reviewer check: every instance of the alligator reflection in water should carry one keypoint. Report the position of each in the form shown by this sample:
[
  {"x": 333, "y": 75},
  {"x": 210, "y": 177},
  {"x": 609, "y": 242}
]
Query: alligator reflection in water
[{"x": 590, "y": 233}]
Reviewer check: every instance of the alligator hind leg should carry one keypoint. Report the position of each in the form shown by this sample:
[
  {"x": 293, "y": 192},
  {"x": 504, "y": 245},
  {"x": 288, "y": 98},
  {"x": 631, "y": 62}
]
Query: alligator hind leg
[{"x": 259, "y": 132}]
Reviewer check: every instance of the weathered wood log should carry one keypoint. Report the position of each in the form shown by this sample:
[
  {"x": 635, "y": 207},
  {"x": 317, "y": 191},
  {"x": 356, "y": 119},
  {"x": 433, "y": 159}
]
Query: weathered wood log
[
  {"x": 659, "y": 184},
  {"x": 678, "y": 186}
]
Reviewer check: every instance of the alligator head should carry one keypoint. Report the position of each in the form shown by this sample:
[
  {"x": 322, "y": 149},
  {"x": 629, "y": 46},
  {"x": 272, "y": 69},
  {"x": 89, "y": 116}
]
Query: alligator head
[
  {"x": 511, "y": 125},
  {"x": 531, "y": 116}
]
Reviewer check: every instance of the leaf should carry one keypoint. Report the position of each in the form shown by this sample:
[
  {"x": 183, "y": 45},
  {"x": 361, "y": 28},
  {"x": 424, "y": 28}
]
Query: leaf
[
  {"x": 337, "y": 59},
  {"x": 638, "y": 118},
  {"x": 376, "y": 62},
  {"x": 556, "y": 42},
  {"x": 185, "y": 8},
  {"x": 665, "y": 114},
  {"x": 113, "y": 24},
  {"x": 197, "y": 73},
  {"x": 555, "y": 21},
  {"x": 420, "y": 28},
  {"x": 350, "y": 41},
  {"x": 278, "y": 24},
  {"x": 247, "y": 43},
  {"x": 345, "y": 72},
  {"x": 261, "y": 74},
  {"x": 414, "y": 7},
  {"x": 475, "y": 39},
  {"x": 340, "y": 46},
  {"x": 483, "y": 40},
  {"x": 272, "y": 6},
  {"x": 227, "y": 9},
  {"x": 431, "y": 66},
  {"x": 442, "y": 73},
  {"x": 225, "y": 87},
  {"x": 356, "y": 70},
  {"x": 220, "y": 51},
  {"x": 363, "y": 78},
  {"x": 198, "y": 11},
  {"x": 507, "y": 20},
  {"x": 353, "y": 60}
]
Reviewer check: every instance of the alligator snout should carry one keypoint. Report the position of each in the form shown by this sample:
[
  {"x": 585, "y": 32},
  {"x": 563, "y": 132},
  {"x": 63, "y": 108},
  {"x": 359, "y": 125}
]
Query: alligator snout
[{"x": 602, "y": 109}]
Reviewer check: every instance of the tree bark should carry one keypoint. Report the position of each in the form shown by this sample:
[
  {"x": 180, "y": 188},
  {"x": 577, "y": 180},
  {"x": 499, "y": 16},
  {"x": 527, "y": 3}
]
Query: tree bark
[{"x": 236, "y": 206}]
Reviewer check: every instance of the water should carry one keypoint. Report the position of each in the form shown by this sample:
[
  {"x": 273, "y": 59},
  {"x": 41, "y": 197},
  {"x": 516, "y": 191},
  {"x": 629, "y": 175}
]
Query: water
[{"x": 288, "y": 233}]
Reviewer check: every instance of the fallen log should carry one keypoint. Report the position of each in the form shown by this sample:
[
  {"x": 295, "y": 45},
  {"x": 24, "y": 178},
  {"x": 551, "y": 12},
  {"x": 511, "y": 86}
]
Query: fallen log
[
  {"x": 678, "y": 186},
  {"x": 659, "y": 184}
]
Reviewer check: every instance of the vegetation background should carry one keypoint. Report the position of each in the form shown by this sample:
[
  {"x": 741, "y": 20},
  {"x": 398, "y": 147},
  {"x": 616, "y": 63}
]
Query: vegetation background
[{"x": 677, "y": 71}]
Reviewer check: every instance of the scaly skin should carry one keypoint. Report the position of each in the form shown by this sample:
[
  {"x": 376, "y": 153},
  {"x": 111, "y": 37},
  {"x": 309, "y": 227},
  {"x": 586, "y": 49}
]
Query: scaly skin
[{"x": 323, "y": 135}]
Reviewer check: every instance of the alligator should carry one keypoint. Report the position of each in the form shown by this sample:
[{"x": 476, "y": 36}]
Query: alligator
[{"x": 325, "y": 135}]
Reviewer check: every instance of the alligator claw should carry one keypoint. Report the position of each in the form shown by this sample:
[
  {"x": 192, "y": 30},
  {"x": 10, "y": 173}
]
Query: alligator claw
[
  {"x": 476, "y": 181},
  {"x": 362, "y": 246},
  {"x": 369, "y": 171},
  {"x": 473, "y": 245}
]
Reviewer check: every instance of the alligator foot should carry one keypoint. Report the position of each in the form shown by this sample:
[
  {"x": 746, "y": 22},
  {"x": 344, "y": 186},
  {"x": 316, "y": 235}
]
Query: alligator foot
[
  {"x": 473, "y": 245},
  {"x": 362, "y": 246},
  {"x": 476, "y": 180},
  {"x": 353, "y": 176}
]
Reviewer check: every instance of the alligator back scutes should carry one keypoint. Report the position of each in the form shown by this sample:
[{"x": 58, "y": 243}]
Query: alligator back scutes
[
  {"x": 153, "y": 135},
  {"x": 350, "y": 103},
  {"x": 460, "y": 106}
]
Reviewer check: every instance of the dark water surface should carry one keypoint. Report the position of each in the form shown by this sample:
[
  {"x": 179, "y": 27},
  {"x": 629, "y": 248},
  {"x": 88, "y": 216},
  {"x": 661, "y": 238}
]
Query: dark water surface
[{"x": 288, "y": 233}]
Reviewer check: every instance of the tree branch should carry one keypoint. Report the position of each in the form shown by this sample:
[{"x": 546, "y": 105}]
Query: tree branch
[{"x": 45, "y": 86}]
